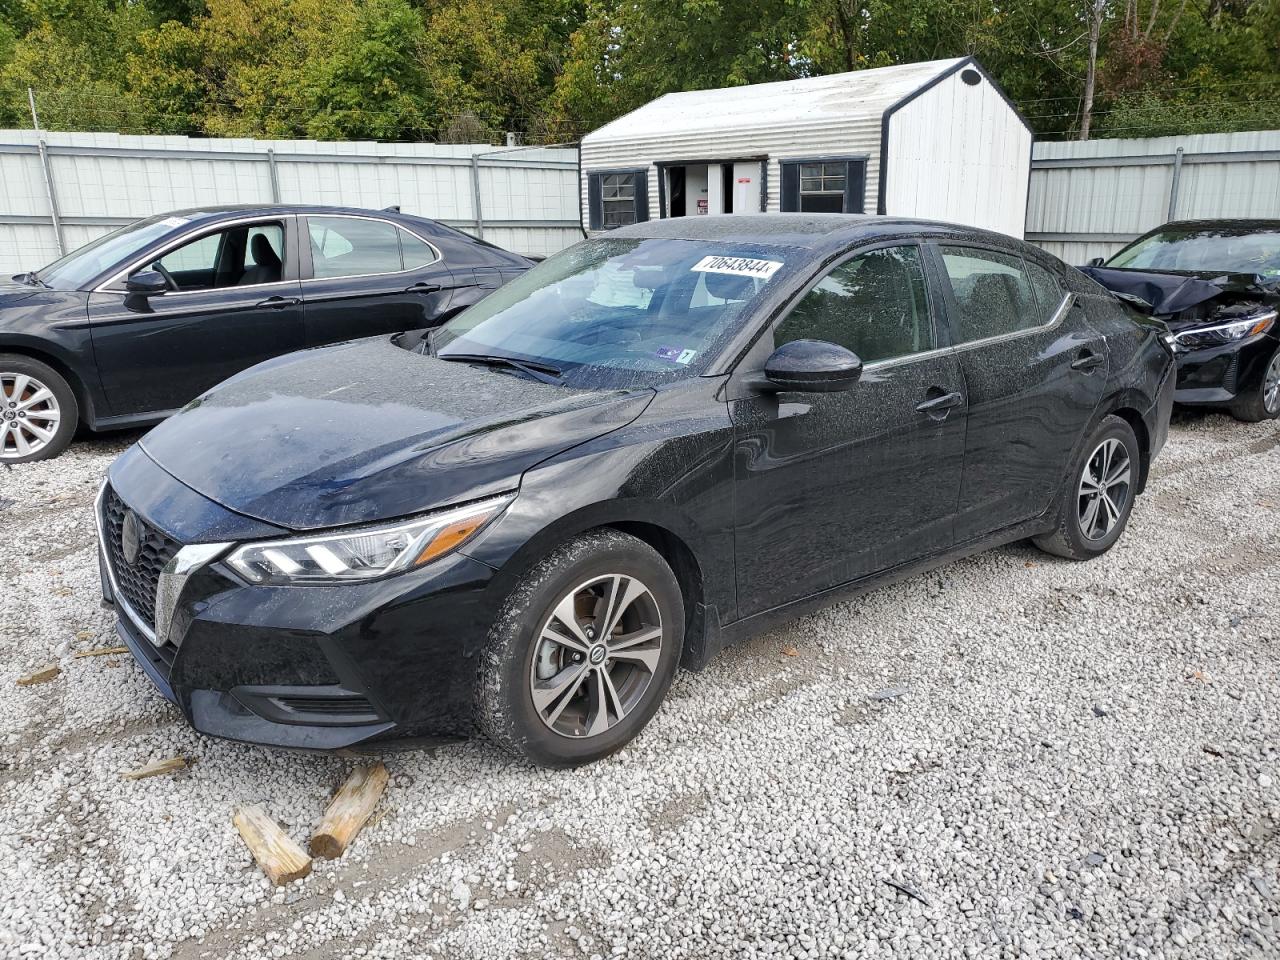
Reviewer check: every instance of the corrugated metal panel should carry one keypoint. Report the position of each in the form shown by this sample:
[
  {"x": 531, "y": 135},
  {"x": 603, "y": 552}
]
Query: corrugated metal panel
[
  {"x": 113, "y": 177},
  {"x": 854, "y": 136},
  {"x": 959, "y": 153},
  {"x": 1090, "y": 198}
]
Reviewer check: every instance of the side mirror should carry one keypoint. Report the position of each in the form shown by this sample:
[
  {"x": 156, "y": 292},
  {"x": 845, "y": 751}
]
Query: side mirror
[
  {"x": 146, "y": 283},
  {"x": 813, "y": 366},
  {"x": 1096, "y": 262}
]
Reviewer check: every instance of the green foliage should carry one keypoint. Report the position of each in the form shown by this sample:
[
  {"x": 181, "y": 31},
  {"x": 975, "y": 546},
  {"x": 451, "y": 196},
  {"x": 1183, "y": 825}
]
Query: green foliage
[{"x": 555, "y": 69}]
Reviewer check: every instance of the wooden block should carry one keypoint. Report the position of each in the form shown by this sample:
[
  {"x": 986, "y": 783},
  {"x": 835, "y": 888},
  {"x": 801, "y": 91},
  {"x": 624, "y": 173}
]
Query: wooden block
[
  {"x": 101, "y": 652},
  {"x": 43, "y": 675},
  {"x": 282, "y": 860},
  {"x": 348, "y": 811},
  {"x": 155, "y": 768}
]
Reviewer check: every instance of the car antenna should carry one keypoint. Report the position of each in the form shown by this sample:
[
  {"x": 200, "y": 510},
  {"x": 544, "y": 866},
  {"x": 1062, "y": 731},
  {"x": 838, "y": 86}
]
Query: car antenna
[{"x": 394, "y": 208}]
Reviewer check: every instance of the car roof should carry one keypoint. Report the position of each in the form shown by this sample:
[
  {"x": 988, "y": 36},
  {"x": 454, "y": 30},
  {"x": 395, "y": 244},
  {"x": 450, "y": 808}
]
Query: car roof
[
  {"x": 811, "y": 231},
  {"x": 231, "y": 211},
  {"x": 1245, "y": 223}
]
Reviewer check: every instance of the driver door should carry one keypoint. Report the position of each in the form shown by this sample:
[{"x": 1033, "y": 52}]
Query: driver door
[
  {"x": 835, "y": 487},
  {"x": 224, "y": 312}
]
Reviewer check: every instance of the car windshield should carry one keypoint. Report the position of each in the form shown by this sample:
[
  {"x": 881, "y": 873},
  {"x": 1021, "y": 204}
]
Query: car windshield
[
  {"x": 80, "y": 266},
  {"x": 616, "y": 313},
  {"x": 1201, "y": 249}
]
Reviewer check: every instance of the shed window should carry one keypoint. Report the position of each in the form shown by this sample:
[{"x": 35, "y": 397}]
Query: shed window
[
  {"x": 823, "y": 186},
  {"x": 618, "y": 199}
]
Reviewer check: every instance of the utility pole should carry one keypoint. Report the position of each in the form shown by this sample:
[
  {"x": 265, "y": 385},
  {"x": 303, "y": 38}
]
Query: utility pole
[{"x": 31, "y": 99}]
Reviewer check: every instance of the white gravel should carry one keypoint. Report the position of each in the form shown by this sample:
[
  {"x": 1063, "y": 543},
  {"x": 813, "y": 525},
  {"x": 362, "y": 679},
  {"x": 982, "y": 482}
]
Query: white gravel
[{"x": 1012, "y": 756}]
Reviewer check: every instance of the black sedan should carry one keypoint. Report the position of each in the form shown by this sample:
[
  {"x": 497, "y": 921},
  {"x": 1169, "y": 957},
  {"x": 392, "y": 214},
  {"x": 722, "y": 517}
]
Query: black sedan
[
  {"x": 1216, "y": 283},
  {"x": 650, "y": 446},
  {"x": 127, "y": 329}
]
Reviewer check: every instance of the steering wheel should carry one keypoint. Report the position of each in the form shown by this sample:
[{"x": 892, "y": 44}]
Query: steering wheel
[{"x": 158, "y": 267}]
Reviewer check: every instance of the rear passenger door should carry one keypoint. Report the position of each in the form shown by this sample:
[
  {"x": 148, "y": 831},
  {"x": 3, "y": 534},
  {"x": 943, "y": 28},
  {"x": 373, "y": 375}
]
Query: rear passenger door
[
  {"x": 1034, "y": 371},
  {"x": 364, "y": 276}
]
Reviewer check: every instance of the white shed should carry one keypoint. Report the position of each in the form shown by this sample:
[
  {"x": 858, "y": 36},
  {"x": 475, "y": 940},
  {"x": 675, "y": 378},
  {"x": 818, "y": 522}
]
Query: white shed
[{"x": 936, "y": 140}]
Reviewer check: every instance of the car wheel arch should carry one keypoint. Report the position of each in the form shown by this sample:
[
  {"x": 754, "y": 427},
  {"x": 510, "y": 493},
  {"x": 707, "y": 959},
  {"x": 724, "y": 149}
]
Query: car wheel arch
[
  {"x": 84, "y": 399},
  {"x": 647, "y": 522},
  {"x": 1127, "y": 405}
]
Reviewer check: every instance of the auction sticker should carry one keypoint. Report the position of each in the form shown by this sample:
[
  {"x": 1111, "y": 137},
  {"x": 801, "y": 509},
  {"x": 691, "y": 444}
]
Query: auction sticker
[
  {"x": 738, "y": 266},
  {"x": 175, "y": 221}
]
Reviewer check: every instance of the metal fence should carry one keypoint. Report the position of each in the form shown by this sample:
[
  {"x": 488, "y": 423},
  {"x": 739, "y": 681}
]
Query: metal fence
[
  {"x": 1089, "y": 198},
  {"x": 61, "y": 190}
]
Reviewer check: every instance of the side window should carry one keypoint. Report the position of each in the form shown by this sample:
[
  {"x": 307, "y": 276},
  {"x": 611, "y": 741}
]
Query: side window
[
  {"x": 1048, "y": 290},
  {"x": 349, "y": 247},
  {"x": 875, "y": 305},
  {"x": 197, "y": 256},
  {"x": 992, "y": 292},
  {"x": 238, "y": 256},
  {"x": 416, "y": 251}
]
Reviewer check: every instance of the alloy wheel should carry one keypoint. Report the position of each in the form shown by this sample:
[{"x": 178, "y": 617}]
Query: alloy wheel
[
  {"x": 29, "y": 415},
  {"x": 1271, "y": 386},
  {"x": 1104, "y": 489},
  {"x": 596, "y": 655}
]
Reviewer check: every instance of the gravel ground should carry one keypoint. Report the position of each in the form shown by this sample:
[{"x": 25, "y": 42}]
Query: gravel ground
[{"x": 1011, "y": 756}]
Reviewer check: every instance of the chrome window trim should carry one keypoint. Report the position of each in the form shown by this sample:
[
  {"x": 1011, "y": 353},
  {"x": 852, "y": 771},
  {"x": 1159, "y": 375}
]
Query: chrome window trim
[
  {"x": 385, "y": 273},
  {"x": 1058, "y": 316},
  {"x": 191, "y": 238}
]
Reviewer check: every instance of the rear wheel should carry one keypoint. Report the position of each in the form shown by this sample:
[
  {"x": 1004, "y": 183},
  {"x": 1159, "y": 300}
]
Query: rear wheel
[
  {"x": 1098, "y": 496},
  {"x": 38, "y": 411},
  {"x": 1263, "y": 401},
  {"x": 583, "y": 651}
]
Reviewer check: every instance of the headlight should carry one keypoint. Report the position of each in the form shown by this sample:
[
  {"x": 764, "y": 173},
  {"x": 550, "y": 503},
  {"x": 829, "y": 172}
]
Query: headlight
[
  {"x": 1222, "y": 333},
  {"x": 363, "y": 553}
]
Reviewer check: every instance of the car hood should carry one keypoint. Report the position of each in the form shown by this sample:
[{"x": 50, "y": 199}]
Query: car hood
[
  {"x": 1167, "y": 293},
  {"x": 367, "y": 431},
  {"x": 12, "y": 292}
]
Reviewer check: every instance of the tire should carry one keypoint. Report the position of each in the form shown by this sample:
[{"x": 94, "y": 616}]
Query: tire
[
  {"x": 555, "y": 730},
  {"x": 1263, "y": 401},
  {"x": 1086, "y": 527},
  {"x": 34, "y": 401}
]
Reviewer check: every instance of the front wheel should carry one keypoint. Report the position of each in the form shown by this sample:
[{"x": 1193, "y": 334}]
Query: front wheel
[
  {"x": 1262, "y": 402},
  {"x": 582, "y": 653},
  {"x": 38, "y": 411},
  {"x": 1098, "y": 496}
]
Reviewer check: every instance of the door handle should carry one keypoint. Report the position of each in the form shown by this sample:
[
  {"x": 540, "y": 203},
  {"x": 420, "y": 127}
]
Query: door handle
[
  {"x": 423, "y": 287},
  {"x": 279, "y": 303},
  {"x": 1086, "y": 361},
  {"x": 940, "y": 406}
]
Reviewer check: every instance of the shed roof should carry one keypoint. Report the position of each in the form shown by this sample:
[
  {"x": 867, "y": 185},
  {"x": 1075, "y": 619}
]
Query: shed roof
[{"x": 785, "y": 103}]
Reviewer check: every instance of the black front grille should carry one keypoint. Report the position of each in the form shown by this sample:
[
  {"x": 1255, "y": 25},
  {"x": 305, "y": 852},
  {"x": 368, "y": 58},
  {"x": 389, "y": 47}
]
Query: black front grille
[{"x": 136, "y": 581}]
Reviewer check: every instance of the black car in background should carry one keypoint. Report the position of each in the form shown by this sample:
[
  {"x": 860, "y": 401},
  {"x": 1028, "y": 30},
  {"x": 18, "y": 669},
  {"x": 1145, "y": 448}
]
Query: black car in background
[
  {"x": 653, "y": 444},
  {"x": 1216, "y": 284},
  {"x": 130, "y": 327}
]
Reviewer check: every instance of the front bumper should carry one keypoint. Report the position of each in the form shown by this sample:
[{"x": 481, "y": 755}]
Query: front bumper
[
  {"x": 309, "y": 667},
  {"x": 1216, "y": 376}
]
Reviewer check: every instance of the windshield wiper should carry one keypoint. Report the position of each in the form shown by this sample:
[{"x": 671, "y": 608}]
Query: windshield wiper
[
  {"x": 542, "y": 372},
  {"x": 30, "y": 279}
]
